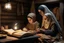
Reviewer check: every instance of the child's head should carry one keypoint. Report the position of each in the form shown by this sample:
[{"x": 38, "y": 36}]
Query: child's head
[
  {"x": 31, "y": 18},
  {"x": 48, "y": 20},
  {"x": 49, "y": 17}
]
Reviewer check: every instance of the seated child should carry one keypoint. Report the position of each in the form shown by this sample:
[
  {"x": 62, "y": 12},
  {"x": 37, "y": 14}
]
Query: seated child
[{"x": 32, "y": 25}]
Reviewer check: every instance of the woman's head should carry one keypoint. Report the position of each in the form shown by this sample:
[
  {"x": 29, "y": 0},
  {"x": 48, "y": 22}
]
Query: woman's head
[
  {"x": 31, "y": 18},
  {"x": 41, "y": 10}
]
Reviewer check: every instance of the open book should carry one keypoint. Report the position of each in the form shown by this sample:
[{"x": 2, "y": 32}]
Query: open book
[{"x": 17, "y": 33}]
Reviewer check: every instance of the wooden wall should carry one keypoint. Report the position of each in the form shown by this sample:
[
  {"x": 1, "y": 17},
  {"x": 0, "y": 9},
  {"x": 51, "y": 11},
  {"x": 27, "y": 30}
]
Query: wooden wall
[
  {"x": 9, "y": 17},
  {"x": 19, "y": 14}
]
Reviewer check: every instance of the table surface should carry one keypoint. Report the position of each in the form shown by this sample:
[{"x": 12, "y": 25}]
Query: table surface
[{"x": 8, "y": 38}]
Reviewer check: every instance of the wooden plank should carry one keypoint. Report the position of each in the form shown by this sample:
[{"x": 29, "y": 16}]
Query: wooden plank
[
  {"x": 5, "y": 21},
  {"x": 18, "y": 9},
  {"x": 45, "y": 1},
  {"x": 8, "y": 14},
  {"x": 8, "y": 38},
  {"x": 61, "y": 18},
  {"x": 9, "y": 11},
  {"x": 9, "y": 17},
  {"x": 16, "y": 1},
  {"x": 25, "y": 1},
  {"x": 0, "y": 14}
]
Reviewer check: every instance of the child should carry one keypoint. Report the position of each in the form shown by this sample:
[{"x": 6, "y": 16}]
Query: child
[{"x": 32, "y": 25}]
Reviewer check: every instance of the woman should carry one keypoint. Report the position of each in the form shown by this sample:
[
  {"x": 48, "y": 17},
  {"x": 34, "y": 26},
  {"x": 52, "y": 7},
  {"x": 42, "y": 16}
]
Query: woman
[
  {"x": 32, "y": 25},
  {"x": 50, "y": 26},
  {"x": 43, "y": 10}
]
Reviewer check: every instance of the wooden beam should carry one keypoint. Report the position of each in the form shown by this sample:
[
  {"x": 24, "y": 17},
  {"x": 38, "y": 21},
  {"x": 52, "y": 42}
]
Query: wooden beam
[
  {"x": 16, "y": 1},
  {"x": 61, "y": 18},
  {"x": 8, "y": 14},
  {"x": 18, "y": 9},
  {"x": 5, "y": 21},
  {"x": 22, "y": 9},
  {"x": 45, "y": 1},
  {"x": 0, "y": 14},
  {"x": 32, "y": 7}
]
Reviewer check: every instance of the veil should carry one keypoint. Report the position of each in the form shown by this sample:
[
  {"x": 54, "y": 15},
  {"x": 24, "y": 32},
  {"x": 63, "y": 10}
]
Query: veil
[{"x": 53, "y": 16}]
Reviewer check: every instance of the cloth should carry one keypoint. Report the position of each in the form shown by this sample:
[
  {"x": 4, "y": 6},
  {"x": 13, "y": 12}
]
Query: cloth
[
  {"x": 52, "y": 31},
  {"x": 33, "y": 26}
]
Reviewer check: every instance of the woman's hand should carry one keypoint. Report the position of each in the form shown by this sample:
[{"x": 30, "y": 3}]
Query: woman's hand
[
  {"x": 37, "y": 30},
  {"x": 25, "y": 29},
  {"x": 43, "y": 36},
  {"x": 42, "y": 29}
]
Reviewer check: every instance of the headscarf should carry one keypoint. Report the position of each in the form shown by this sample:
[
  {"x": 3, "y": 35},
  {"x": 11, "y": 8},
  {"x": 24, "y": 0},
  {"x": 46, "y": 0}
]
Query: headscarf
[{"x": 32, "y": 15}]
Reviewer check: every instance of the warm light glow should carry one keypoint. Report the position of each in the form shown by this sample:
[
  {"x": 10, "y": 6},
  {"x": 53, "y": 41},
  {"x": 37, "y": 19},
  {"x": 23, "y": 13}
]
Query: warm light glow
[
  {"x": 8, "y": 6},
  {"x": 15, "y": 23},
  {"x": 15, "y": 27}
]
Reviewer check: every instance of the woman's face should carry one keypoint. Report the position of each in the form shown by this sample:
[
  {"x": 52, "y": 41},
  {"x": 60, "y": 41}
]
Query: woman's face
[
  {"x": 45, "y": 18},
  {"x": 30, "y": 20},
  {"x": 41, "y": 12}
]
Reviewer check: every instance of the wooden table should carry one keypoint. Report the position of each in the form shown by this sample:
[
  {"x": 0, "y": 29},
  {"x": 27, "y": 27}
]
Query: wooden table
[{"x": 10, "y": 39}]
